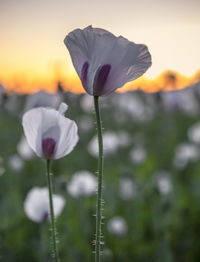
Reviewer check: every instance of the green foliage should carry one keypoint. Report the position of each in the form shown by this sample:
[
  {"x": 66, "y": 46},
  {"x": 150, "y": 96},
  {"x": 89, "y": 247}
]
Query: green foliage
[{"x": 161, "y": 227}]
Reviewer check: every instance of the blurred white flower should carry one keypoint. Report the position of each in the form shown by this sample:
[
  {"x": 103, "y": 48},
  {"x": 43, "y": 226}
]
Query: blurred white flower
[
  {"x": 183, "y": 100},
  {"x": 110, "y": 141},
  {"x": 36, "y": 204},
  {"x": 43, "y": 99},
  {"x": 185, "y": 153},
  {"x": 24, "y": 149},
  {"x": 124, "y": 139},
  {"x": 138, "y": 155},
  {"x": 127, "y": 188},
  {"x": 87, "y": 103},
  {"x": 117, "y": 226},
  {"x": 132, "y": 104},
  {"x": 83, "y": 183},
  {"x": 49, "y": 133},
  {"x": 163, "y": 182},
  {"x": 85, "y": 123},
  {"x": 171, "y": 100},
  {"x": 194, "y": 133},
  {"x": 16, "y": 163}
]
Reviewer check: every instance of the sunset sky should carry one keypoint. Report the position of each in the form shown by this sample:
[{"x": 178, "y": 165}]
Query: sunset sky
[{"x": 33, "y": 55}]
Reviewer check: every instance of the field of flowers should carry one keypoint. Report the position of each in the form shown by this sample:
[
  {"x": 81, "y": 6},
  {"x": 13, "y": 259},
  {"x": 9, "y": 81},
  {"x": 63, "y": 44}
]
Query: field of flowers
[{"x": 151, "y": 180}]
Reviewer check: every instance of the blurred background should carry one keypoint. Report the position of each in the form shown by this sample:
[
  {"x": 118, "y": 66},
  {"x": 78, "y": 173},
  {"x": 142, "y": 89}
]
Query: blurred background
[
  {"x": 152, "y": 144},
  {"x": 151, "y": 179}
]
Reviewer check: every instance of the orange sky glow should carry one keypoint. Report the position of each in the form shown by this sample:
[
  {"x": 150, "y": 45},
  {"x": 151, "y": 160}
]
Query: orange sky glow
[
  {"x": 167, "y": 81},
  {"x": 33, "y": 56}
]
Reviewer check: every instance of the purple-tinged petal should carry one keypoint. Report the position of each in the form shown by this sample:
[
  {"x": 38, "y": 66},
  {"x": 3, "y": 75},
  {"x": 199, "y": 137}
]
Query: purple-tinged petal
[
  {"x": 98, "y": 31},
  {"x": 92, "y": 45},
  {"x": 68, "y": 137},
  {"x": 49, "y": 133},
  {"x": 100, "y": 79},
  {"x": 134, "y": 60},
  {"x": 31, "y": 122},
  {"x": 48, "y": 147},
  {"x": 62, "y": 108},
  {"x": 84, "y": 72},
  {"x": 100, "y": 47}
]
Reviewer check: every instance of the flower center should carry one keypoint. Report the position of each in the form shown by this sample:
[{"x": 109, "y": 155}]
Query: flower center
[
  {"x": 101, "y": 78},
  {"x": 84, "y": 72},
  {"x": 48, "y": 147}
]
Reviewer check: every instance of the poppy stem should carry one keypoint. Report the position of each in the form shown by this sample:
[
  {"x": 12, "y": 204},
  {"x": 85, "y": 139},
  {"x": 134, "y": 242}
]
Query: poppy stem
[
  {"x": 100, "y": 176},
  {"x": 53, "y": 224}
]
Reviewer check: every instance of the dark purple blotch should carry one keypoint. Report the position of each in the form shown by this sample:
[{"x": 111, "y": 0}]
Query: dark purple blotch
[
  {"x": 45, "y": 217},
  {"x": 100, "y": 79},
  {"x": 84, "y": 72},
  {"x": 48, "y": 147}
]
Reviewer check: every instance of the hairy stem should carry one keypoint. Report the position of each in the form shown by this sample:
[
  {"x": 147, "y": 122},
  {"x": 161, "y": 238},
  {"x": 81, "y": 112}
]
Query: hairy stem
[
  {"x": 100, "y": 175},
  {"x": 53, "y": 224}
]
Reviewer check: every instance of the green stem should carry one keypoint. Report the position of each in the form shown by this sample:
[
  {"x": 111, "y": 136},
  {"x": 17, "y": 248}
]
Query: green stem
[
  {"x": 100, "y": 175},
  {"x": 43, "y": 242},
  {"x": 53, "y": 224}
]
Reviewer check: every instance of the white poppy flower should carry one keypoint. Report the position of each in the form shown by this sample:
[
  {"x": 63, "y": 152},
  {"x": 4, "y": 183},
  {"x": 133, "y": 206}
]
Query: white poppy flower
[
  {"x": 15, "y": 163},
  {"x": 127, "y": 188},
  {"x": 184, "y": 154},
  {"x": 49, "y": 133},
  {"x": 105, "y": 62},
  {"x": 163, "y": 182},
  {"x": 183, "y": 100},
  {"x": 117, "y": 226},
  {"x": 194, "y": 133},
  {"x": 138, "y": 155},
  {"x": 83, "y": 183},
  {"x": 36, "y": 204},
  {"x": 111, "y": 144}
]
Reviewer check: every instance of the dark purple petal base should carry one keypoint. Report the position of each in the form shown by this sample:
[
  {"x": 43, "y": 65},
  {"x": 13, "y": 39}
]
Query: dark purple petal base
[
  {"x": 45, "y": 217},
  {"x": 84, "y": 72},
  {"x": 100, "y": 79},
  {"x": 48, "y": 147}
]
